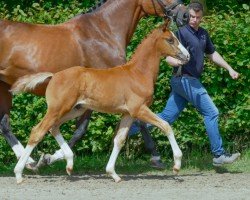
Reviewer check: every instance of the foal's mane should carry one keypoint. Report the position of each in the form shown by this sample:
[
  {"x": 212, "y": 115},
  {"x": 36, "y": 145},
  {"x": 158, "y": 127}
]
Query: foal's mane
[{"x": 153, "y": 34}]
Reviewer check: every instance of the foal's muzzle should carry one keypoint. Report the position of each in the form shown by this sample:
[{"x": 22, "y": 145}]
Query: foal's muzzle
[{"x": 183, "y": 58}]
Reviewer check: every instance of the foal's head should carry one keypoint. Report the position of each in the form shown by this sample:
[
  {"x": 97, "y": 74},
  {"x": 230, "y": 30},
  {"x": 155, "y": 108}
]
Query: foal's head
[{"x": 168, "y": 45}]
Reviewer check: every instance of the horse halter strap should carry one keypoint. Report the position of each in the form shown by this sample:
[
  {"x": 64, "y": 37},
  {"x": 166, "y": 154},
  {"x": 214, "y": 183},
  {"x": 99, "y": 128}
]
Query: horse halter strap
[{"x": 167, "y": 9}]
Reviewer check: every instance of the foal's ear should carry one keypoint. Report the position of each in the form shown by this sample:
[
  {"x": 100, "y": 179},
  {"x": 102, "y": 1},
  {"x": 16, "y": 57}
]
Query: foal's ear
[{"x": 166, "y": 24}]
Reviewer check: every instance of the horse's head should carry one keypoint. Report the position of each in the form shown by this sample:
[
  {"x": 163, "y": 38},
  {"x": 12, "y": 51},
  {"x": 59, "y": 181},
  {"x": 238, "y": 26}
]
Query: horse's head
[
  {"x": 173, "y": 9},
  {"x": 168, "y": 44}
]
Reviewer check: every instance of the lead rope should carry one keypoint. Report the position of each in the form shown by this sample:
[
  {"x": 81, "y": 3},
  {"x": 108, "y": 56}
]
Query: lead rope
[{"x": 178, "y": 73}]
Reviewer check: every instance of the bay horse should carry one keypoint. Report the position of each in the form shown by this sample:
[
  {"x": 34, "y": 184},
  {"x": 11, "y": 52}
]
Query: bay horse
[
  {"x": 97, "y": 39},
  {"x": 126, "y": 89}
]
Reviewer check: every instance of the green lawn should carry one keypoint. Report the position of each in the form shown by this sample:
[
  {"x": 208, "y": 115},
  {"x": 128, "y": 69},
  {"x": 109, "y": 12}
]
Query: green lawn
[{"x": 97, "y": 163}]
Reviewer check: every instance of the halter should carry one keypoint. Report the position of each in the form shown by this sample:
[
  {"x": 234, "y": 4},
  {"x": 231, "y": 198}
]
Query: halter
[{"x": 168, "y": 12}]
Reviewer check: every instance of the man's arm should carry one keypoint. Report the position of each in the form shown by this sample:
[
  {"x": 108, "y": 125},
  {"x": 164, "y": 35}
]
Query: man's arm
[{"x": 218, "y": 60}]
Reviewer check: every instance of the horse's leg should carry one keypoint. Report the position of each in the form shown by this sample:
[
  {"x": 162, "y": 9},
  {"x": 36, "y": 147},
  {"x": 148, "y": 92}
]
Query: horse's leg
[
  {"x": 16, "y": 146},
  {"x": 82, "y": 125},
  {"x": 5, "y": 106},
  {"x": 119, "y": 140},
  {"x": 36, "y": 136},
  {"x": 146, "y": 115}
]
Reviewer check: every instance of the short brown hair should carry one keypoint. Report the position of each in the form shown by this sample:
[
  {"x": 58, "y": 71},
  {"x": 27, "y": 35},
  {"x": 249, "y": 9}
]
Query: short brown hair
[{"x": 196, "y": 6}]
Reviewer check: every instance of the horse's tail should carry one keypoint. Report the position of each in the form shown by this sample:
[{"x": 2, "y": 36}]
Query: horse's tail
[{"x": 30, "y": 82}]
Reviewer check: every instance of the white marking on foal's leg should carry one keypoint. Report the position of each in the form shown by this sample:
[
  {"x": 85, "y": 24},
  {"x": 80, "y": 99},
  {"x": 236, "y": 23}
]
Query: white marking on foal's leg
[
  {"x": 148, "y": 116},
  {"x": 110, "y": 168},
  {"x": 176, "y": 151},
  {"x": 21, "y": 162},
  {"x": 118, "y": 143},
  {"x": 18, "y": 150},
  {"x": 68, "y": 154},
  {"x": 58, "y": 155}
]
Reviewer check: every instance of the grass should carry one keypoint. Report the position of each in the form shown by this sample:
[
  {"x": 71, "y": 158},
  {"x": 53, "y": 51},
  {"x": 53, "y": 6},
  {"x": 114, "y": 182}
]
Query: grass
[{"x": 96, "y": 165}]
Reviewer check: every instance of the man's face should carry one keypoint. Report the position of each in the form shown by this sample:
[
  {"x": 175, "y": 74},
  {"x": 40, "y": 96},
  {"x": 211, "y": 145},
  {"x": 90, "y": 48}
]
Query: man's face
[{"x": 195, "y": 18}]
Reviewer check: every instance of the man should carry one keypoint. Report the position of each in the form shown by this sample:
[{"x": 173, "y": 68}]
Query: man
[{"x": 186, "y": 86}]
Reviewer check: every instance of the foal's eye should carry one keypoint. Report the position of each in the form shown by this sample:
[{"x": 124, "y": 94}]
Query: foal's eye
[{"x": 170, "y": 40}]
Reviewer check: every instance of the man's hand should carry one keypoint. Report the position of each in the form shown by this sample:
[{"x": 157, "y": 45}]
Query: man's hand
[
  {"x": 233, "y": 74},
  {"x": 173, "y": 61}
]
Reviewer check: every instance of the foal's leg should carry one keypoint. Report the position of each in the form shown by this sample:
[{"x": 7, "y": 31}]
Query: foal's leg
[
  {"x": 146, "y": 115},
  {"x": 119, "y": 140},
  {"x": 82, "y": 125},
  {"x": 67, "y": 152},
  {"x": 36, "y": 136}
]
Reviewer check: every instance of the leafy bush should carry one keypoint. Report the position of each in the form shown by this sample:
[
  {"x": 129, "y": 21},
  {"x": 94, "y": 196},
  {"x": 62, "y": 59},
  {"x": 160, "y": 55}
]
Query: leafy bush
[{"x": 229, "y": 31}]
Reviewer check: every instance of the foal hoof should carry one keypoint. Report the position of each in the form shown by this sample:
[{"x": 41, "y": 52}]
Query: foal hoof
[
  {"x": 176, "y": 171},
  {"x": 19, "y": 178},
  {"x": 118, "y": 180},
  {"x": 69, "y": 170},
  {"x": 19, "y": 181}
]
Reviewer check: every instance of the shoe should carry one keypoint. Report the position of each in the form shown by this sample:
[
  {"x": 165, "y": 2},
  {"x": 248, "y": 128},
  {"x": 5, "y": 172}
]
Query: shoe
[
  {"x": 157, "y": 164},
  {"x": 225, "y": 158}
]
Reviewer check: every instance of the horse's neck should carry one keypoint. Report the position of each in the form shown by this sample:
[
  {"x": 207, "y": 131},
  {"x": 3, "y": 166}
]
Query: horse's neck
[{"x": 118, "y": 17}]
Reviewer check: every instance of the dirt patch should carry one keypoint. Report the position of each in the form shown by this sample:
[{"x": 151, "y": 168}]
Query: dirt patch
[{"x": 197, "y": 185}]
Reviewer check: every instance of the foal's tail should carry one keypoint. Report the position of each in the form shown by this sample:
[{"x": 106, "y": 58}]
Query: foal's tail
[{"x": 30, "y": 82}]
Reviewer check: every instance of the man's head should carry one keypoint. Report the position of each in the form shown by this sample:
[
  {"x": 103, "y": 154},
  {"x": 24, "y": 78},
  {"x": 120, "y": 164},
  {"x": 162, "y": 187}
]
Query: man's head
[{"x": 195, "y": 14}]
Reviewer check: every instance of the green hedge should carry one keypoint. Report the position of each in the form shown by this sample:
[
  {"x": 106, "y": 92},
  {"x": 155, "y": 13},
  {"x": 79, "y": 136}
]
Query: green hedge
[{"x": 229, "y": 31}]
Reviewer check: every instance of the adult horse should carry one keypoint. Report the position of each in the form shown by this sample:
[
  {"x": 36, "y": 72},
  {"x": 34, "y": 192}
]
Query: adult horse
[
  {"x": 97, "y": 39},
  {"x": 104, "y": 90}
]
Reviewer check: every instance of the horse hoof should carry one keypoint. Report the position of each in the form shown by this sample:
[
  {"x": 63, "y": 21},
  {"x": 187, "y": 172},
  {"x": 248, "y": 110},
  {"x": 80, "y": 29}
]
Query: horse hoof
[
  {"x": 32, "y": 166},
  {"x": 42, "y": 161}
]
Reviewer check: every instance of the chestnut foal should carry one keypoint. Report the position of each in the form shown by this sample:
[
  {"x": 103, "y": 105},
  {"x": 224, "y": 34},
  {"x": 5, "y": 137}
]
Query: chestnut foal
[{"x": 125, "y": 89}]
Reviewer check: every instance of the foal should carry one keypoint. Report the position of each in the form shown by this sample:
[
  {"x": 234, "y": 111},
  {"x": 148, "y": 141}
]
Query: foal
[{"x": 125, "y": 89}]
